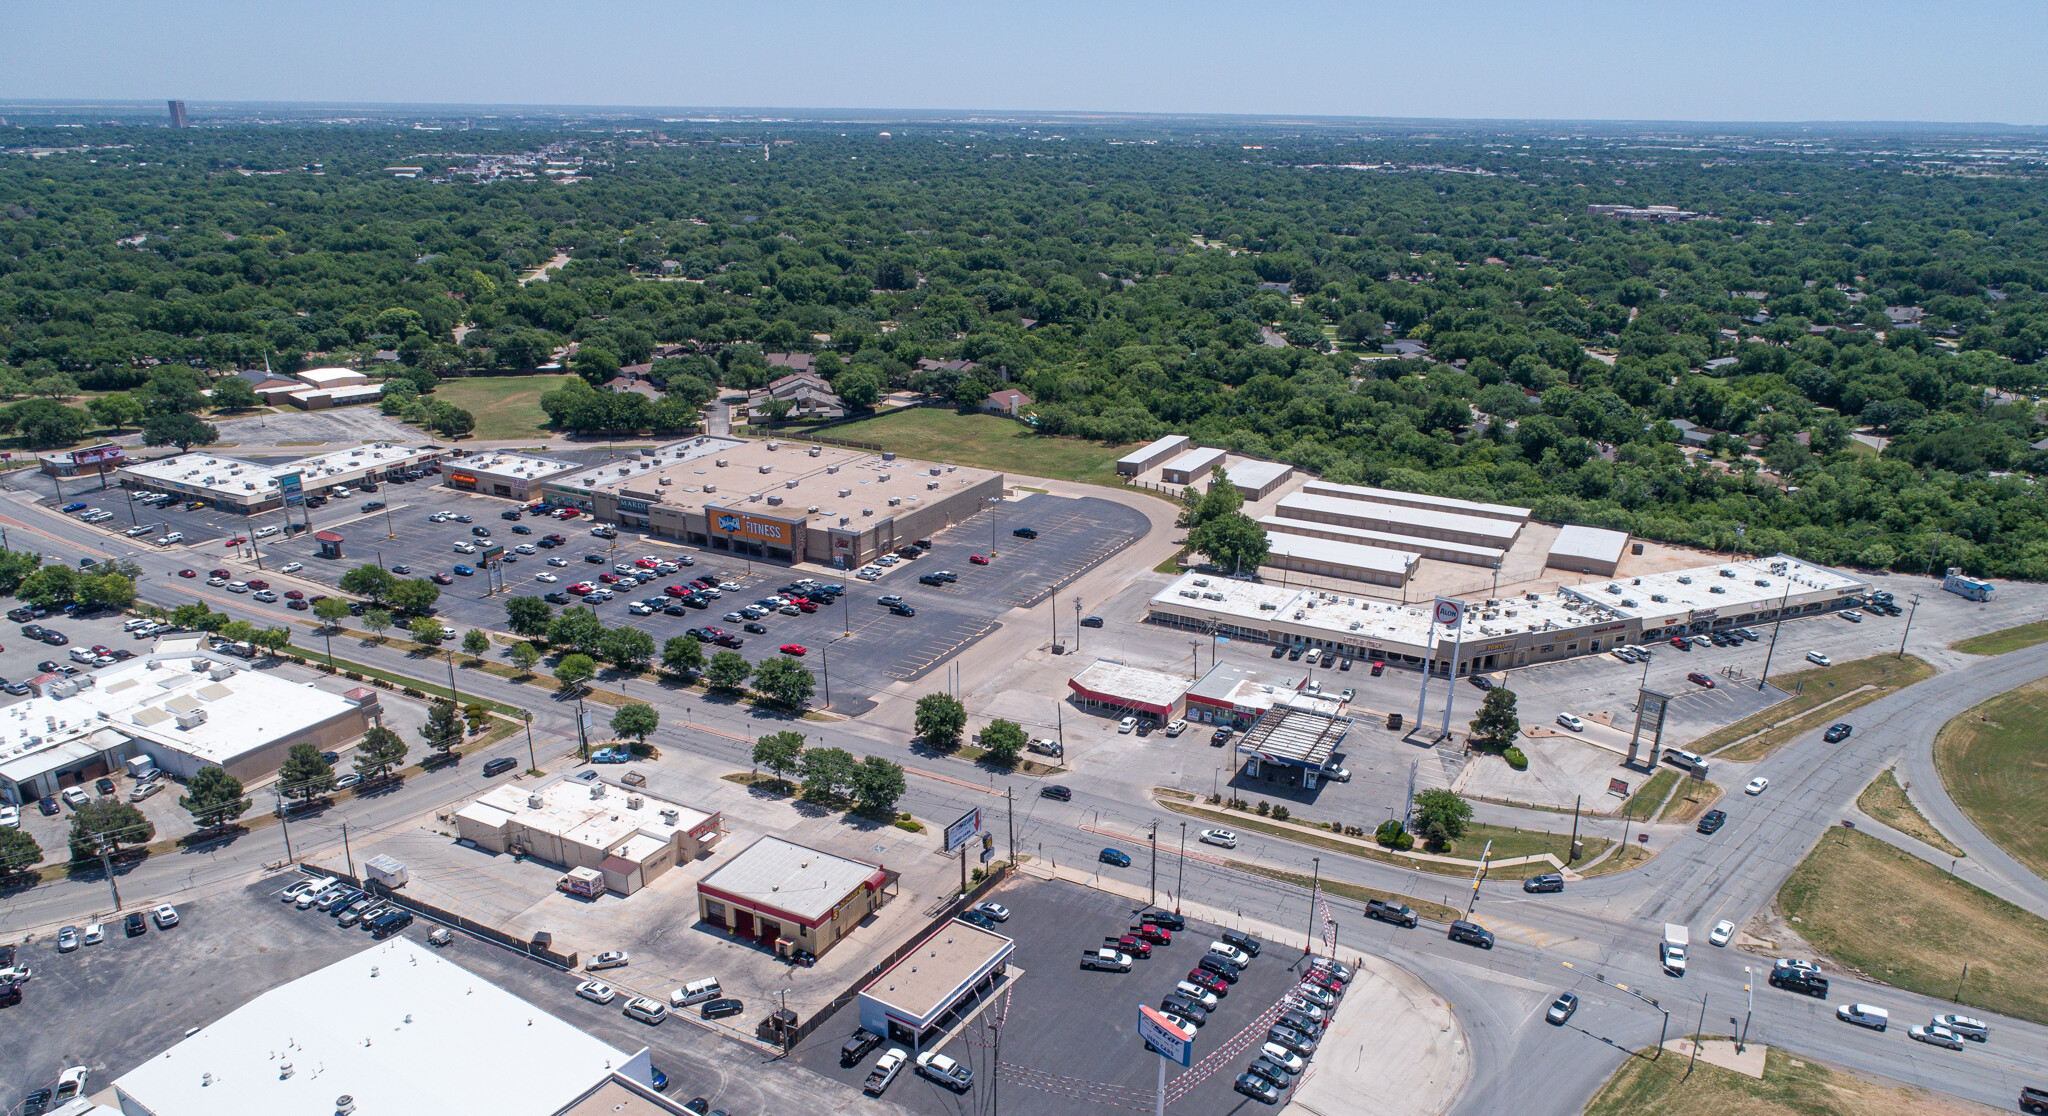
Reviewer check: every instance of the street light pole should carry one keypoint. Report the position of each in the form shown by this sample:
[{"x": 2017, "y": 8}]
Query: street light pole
[
  {"x": 1909, "y": 626},
  {"x": 1314, "y": 893},
  {"x": 1180, "y": 879},
  {"x": 1776, "y": 625},
  {"x": 527, "y": 716},
  {"x": 1154, "y": 900},
  {"x": 1077, "y": 624}
]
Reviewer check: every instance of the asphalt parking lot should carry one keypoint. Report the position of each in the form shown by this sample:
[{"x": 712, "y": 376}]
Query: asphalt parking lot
[
  {"x": 1070, "y": 1035},
  {"x": 882, "y": 649}
]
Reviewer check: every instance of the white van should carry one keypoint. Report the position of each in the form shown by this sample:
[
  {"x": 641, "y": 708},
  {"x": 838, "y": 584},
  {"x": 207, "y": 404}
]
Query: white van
[
  {"x": 1864, "y": 1015},
  {"x": 695, "y": 992}
]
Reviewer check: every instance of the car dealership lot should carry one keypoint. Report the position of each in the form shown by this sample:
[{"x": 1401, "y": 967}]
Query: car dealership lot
[{"x": 1067, "y": 1022}]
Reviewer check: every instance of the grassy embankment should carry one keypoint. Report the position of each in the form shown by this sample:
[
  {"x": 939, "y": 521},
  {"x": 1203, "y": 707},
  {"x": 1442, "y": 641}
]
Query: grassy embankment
[
  {"x": 1753, "y": 737},
  {"x": 1992, "y": 764}
]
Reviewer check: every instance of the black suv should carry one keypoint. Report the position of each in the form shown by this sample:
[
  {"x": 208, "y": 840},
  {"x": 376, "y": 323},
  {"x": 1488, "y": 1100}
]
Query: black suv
[
  {"x": 134, "y": 924},
  {"x": 1060, "y": 793},
  {"x": 1242, "y": 941},
  {"x": 1712, "y": 820},
  {"x": 1223, "y": 970},
  {"x": 500, "y": 765},
  {"x": 1837, "y": 732},
  {"x": 1471, "y": 933},
  {"x": 856, "y": 1048},
  {"x": 1400, "y": 914},
  {"x": 1025, "y": 533},
  {"x": 1800, "y": 980},
  {"x": 1549, "y": 881}
]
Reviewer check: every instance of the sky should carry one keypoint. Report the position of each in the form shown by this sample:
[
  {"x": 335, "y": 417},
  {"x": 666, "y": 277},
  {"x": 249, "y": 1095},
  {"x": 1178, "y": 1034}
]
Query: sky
[{"x": 1727, "y": 61}]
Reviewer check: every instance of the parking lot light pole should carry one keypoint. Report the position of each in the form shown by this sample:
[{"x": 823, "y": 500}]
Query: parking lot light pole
[
  {"x": 1077, "y": 624},
  {"x": 1180, "y": 879},
  {"x": 1314, "y": 893},
  {"x": 1777, "y": 624}
]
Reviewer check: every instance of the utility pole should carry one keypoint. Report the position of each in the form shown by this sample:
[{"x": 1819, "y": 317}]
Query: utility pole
[
  {"x": 1154, "y": 900},
  {"x": 1010, "y": 800},
  {"x": 1571, "y": 853},
  {"x": 963, "y": 867},
  {"x": 1773, "y": 649},
  {"x": 1077, "y": 625},
  {"x": 107, "y": 866},
  {"x": 527, "y": 716},
  {"x": 347, "y": 855},
  {"x": 453, "y": 695},
  {"x": 1909, "y": 626},
  {"x": 284, "y": 819},
  {"x": 1748, "y": 989},
  {"x": 1696, "y": 1037},
  {"x": 1180, "y": 879},
  {"x": 1315, "y": 890}
]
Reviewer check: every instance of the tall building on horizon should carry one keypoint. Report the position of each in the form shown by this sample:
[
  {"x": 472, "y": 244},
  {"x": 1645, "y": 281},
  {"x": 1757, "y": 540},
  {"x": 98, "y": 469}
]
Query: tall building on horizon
[{"x": 177, "y": 114}]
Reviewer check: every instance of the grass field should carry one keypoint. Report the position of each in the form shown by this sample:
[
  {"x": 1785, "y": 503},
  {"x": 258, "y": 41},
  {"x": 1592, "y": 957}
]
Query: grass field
[
  {"x": 1800, "y": 713},
  {"x": 1901, "y": 920},
  {"x": 985, "y": 442},
  {"x": 1692, "y": 800},
  {"x": 1506, "y": 843},
  {"x": 1885, "y": 800},
  {"x": 504, "y": 406},
  {"x": 1992, "y": 763},
  {"x": 1791, "y": 1086},
  {"x": 2003, "y": 640},
  {"x": 1650, "y": 795}
]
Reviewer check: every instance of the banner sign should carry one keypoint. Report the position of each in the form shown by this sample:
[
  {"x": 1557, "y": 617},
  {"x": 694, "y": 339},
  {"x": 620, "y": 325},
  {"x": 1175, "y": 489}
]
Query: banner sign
[
  {"x": 747, "y": 526},
  {"x": 1617, "y": 787},
  {"x": 96, "y": 455}
]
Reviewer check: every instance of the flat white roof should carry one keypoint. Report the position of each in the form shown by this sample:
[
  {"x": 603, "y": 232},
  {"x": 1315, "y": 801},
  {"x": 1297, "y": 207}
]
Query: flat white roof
[
  {"x": 928, "y": 978},
  {"x": 511, "y": 466},
  {"x": 1359, "y": 620},
  {"x": 1135, "y": 684},
  {"x": 398, "y": 1027},
  {"x": 1745, "y": 586},
  {"x": 1394, "y": 514},
  {"x": 1153, "y": 449},
  {"x": 1197, "y": 460},
  {"x": 1333, "y": 553},
  {"x": 573, "y": 810},
  {"x": 1256, "y": 474},
  {"x": 249, "y": 481},
  {"x": 1595, "y": 544},
  {"x": 1377, "y": 538},
  {"x": 331, "y": 377},
  {"x": 1416, "y": 499},
  {"x": 789, "y": 877},
  {"x": 244, "y": 710}
]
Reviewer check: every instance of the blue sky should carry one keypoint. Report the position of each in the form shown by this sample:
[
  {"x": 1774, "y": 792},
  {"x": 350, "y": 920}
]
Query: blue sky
[{"x": 1729, "y": 61}]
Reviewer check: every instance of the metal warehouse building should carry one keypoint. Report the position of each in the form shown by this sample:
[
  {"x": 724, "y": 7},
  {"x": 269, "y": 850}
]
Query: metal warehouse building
[
  {"x": 1150, "y": 454},
  {"x": 1587, "y": 550},
  {"x": 925, "y": 992},
  {"x": 1419, "y": 500},
  {"x": 1191, "y": 466},
  {"x": 1487, "y": 556},
  {"x": 1350, "y": 561},
  {"x": 1443, "y": 526}
]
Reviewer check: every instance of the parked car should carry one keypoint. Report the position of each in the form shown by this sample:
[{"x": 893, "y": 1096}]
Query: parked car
[
  {"x": 609, "y": 959},
  {"x": 722, "y": 1008},
  {"x": 597, "y": 991},
  {"x": 940, "y": 1068}
]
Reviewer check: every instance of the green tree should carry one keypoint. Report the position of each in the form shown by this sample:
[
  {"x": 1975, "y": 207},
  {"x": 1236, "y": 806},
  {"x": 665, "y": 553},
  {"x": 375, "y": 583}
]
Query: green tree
[
  {"x": 1221, "y": 500},
  {"x": 635, "y": 721},
  {"x": 1234, "y": 542},
  {"x": 1004, "y": 742},
  {"x": 682, "y": 655},
  {"x": 443, "y": 729},
  {"x": 117, "y": 410},
  {"x": 274, "y": 640},
  {"x": 573, "y": 670},
  {"x": 330, "y": 610},
  {"x": 475, "y": 643},
  {"x": 451, "y": 420},
  {"x": 377, "y": 620},
  {"x": 528, "y": 616},
  {"x": 380, "y": 751},
  {"x": 577, "y": 628},
  {"x": 233, "y": 393},
  {"x": 304, "y": 775},
  {"x": 940, "y": 720},
  {"x": 627, "y": 648},
  {"x": 214, "y": 798},
  {"x": 19, "y": 852},
  {"x": 785, "y": 681},
  {"x": 109, "y": 590},
  {"x": 728, "y": 671},
  {"x": 878, "y": 783},
  {"x": 191, "y": 617},
  {"x": 15, "y": 567},
  {"x": 414, "y": 595},
  {"x": 181, "y": 430},
  {"x": 859, "y": 388},
  {"x": 426, "y": 629},
  {"x": 46, "y": 423},
  {"x": 524, "y": 656},
  {"x": 116, "y": 822},
  {"x": 826, "y": 771},
  {"x": 238, "y": 631},
  {"x": 50, "y": 586},
  {"x": 1496, "y": 724},
  {"x": 374, "y": 582},
  {"x": 1441, "y": 817},
  {"x": 778, "y": 751}
]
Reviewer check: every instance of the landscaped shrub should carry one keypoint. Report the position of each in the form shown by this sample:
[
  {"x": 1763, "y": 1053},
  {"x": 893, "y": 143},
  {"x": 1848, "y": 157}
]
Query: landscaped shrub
[{"x": 1516, "y": 759}]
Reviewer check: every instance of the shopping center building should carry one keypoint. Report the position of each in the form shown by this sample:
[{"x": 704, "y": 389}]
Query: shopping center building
[{"x": 233, "y": 484}]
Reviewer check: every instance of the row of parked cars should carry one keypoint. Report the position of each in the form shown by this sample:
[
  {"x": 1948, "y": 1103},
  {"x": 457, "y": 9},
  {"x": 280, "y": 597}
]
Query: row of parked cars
[
  {"x": 353, "y": 906},
  {"x": 1304, "y": 1015}
]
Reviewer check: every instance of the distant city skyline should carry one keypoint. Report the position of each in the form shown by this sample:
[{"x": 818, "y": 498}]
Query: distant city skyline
[{"x": 1742, "y": 60}]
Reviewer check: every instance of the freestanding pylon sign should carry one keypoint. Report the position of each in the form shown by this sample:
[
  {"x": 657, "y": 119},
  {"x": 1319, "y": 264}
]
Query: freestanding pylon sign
[{"x": 1446, "y": 612}]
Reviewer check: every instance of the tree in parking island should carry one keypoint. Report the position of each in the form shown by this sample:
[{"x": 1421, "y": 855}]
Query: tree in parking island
[
  {"x": 330, "y": 610},
  {"x": 779, "y": 752},
  {"x": 1441, "y": 817},
  {"x": 214, "y": 798},
  {"x": 414, "y": 596},
  {"x": 627, "y": 648},
  {"x": 381, "y": 750},
  {"x": 108, "y": 590},
  {"x": 443, "y": 728},
  {"x": 274, "y": 640},
  {"x": 1004, "y": 742},
  {"x": 728, "y": 671},
  {"x": 682, "y": 655},
  {"x": 635, "y": 721},
  {"x": 304, "y": 773},
  {"x": 374, "y": 582},
  {"x": 940, "y": 720},
  {"x": 1496, "y": 725},
  {"x": 878, "y": 783},
  {"x": 785, "y": 682},
  {"x": 110, "y": 820},
  {"x": 528, "y": 616},
  {"x": 427, "y": 630},
  {"x": 475, "y": 643},
  {"x": 572, "y": 671},
  {"x": 237, "y": 631},
  {"x": 577, "y": 629}
]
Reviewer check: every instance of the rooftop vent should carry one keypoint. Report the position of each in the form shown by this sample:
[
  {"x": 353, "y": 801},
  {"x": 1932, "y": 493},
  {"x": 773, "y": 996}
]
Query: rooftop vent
[
  {"x": 831, "y": 468},
  {"x": 886, "y": 456}
]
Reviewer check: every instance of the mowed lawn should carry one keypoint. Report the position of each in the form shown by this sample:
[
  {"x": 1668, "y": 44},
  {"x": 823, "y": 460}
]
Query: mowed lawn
[
  {"x": 986, "y": 442},
  {"x": 2004, "y": 639},
  {"x": 1898, "y": 919},
  {"x": 1791, "y": 1086},
  {"x": 1995, "y": 767},
  {"x": 504, "y": 406}
]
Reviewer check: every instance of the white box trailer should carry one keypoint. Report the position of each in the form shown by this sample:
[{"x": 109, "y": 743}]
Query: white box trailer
[{"x": 386, "y": 871}]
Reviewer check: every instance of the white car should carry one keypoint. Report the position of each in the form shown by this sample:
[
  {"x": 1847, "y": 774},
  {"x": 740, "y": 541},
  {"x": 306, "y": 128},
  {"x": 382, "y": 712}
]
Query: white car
[
  {"x": 1723, "y": 930},
  {"x": 1222, "y": 838},
  {"x": 1819, "y": 659},
  {"x": 596, "y": 991},
  {"x": 558, "y": 562},
  {"x": 464, "y": 548},
  {"x": 266, "y": 532},
  {"x": 166, "y": 916},
  {"x": 1287, "y": 1059},
  {"x": 95, "y": 933},
  {"x": 524, "y": 548},
  {"x": 546, "y": 576},
  {"x": 1756, "y": 785},
  {"x": 292, "y": 567},
  {"x": 1571, "y": 722},
  {"x": 1864, "y": 1015},
  {"x": 1127, "y": 724},
  {"x": 1175, "y": 727},
  {"x": 1934, "y": 1035},
  {"x": 995, "y": 911},
  {"x": 238, "y": 586},
  {"x": 609, "y": 959},
  {"x": 10, "y": 817},
  {"x": 1853, "y": 616}
]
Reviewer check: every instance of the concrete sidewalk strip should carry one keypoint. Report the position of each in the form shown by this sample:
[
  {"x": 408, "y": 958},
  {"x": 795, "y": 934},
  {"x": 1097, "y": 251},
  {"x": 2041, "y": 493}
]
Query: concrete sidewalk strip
[{"x": 1723, "y": 1053}]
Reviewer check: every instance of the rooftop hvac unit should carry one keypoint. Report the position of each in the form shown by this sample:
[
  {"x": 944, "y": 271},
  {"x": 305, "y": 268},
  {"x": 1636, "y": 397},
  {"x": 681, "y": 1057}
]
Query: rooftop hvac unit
[
  {"x": 814, "y": 451},
  {"x": 930, "y": 485},
  {"x": 191, "y": 718},
  {"x": 773, "y": 446},
  {"x": 831, "y": 468},
  {"x": 753, "y": 497},
  {"x": 635, "y": 802},
  {"x": 533, "y": 802},
  {"x": 812, "y": 510},
  {"x": 710, "y": 488},
  {"x": 886, "y": 456},
  {"x": 774, "y": 501},
  {"x": 895, "y": 500},
  {"x": 845, "y": 492},
  {"x": 867, "y": 511},
  {"x": 767, "y": 468},
  {"x": 669, "y": 814},
  {"x": 845, "y": 519},
  {"x": 668, "y": 480},
  {"x": 597, "y": 790},
  {"x": 884, "y": 478},
  {"x": 720, "y": 463},
  {"x": 789, "y": 484},
  {"x": 936, "y": 470}
]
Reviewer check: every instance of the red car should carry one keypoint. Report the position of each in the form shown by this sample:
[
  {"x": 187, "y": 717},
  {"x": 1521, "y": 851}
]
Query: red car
[
  {"x": 581, "y": 588},
  {"x": 1208, "y": 982},
  {"x": 1379, "y": 667},
  {"x": 1698, "y": 679},
  {"x": 1133, "y": 946},
  {"x": 567, "y": 513},
  {"x": 294, "y": 594},
  {"x": 676, "y": 591},
  {"x": 977, "y": 559},
  {"x": 1153, "y": 934},
  {"x": 793, "y": 649},
  {"x": 1681, "y": 643},
  {"x": 299, "y": 605},
  {"x": 1323, "y": 980},
  {"x": 442, "y": 579},
  {"x": 99, "y": 649},
  {"x": 558, "y": 539},
  {"x": 188, "y": 573},
  {"x": 647, "y": 563},
  {"x": 803, "y": 605},
  {"x": 218, "y": 573},
  {"x": 607, "y": 578},
  {"x": 238, "y": 540}
]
